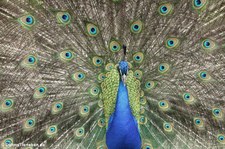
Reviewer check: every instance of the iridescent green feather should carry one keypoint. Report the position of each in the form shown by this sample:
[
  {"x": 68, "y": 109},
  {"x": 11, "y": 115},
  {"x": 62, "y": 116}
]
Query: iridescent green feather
[
  {"x": 133, "y": 86},
  {"x": 109, "y": 89}
]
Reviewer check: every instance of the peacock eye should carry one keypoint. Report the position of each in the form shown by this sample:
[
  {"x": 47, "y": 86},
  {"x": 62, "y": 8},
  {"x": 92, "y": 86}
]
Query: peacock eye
[
  {"x": 163, "y": 68},
  {"x": 136, "y": 26},
  {"x": 78, "y": 76},
  {"x": 149, "y": 85},
  {"x": 138, "y": 57},
  {"x": 79, "y": 132},
  {"x": 40, "y": 92},
  {"x": 187, "y": 96},
  {"x": 94, "y": 90},
  {"x": 101, "y": 76},
  {"x": 109, "y": 66},
  {"x": 92, "y": 29},
  {"x": 66, "y": 56},
  {"x": 27, "y": 21},
  {"x": 84, "y": 110},
  {"x": 51, "y": 130},
  {"x": 138, "y": 74},
  {"x": 167, "y": 127},
  {"x": 204, "y": 76},
  {"x": 31, "y": 59},
  {"x": 165, "y": 9},
  {"x": 163, "y": 105},
  {"x": 101, "y": 122},
  {"x": 172, "y": 43},
  {"x": 199, "y": 123},
  {"x": 217, "y": 113},
  {"x": 63, "y": 18},
  {"x": 57, "y": 107},
  {"x": 221, "y": 138},
  {"x": 97, "y": 61},
  {"x": 208, "y": 45},
  {"x": 6, "y": 105},
  {"x": 114, "y": 45},
  {"x": 142, "y": 120},
  {"x": 8, "y": 141},
  {"x": 29, "y": 124},
  {"x": 199, "y": 4}
]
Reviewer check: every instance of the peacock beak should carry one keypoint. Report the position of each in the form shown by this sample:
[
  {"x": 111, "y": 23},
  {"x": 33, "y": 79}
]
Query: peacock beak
[{"x": 123, "y": 77}]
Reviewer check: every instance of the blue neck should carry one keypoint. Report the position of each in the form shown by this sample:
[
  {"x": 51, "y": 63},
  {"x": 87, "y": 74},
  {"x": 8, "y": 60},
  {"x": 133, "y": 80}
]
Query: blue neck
[{"x": 122, "y": 130}]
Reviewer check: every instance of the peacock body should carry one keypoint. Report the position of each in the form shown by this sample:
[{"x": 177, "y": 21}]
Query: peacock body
[{"x": 116, "y": 74}]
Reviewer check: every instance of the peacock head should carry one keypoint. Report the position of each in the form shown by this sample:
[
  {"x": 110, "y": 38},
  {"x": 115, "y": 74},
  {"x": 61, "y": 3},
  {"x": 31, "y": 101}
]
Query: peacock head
[
  {"x": 123, "y": 66},
  {"x": 123, "y": 69}
]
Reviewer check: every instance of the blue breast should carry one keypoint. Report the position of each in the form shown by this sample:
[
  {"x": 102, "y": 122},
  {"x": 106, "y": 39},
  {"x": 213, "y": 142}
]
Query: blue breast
[{"x": 123, "y": 130}]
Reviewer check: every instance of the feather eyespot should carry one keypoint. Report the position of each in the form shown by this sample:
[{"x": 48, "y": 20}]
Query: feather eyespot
[
  {"x": 101, "y": 122},
  {"x": 163, "y": 68},
  {"x": 78, "y": 76},
  {"x": 29, "y": 124},
  {"x": 163, "y": 105},
  {"x": 138, "y": 57},
  {"x": 94, "y": 90},
  {"x": 101, "y": 77},
  {"x": 57, "y": 107},
  {"x": 208, "y": 45},
  {"x": 79, "y": 132},
  {"x": 199, "y": 4},
  {"x": 142, "y": 120},
  {"x": 92, "y": 29},
  {"x": 221, "y": 138},
  {"x": 63, "y": 18},
  {"x": 109, "y": 66},
  {"x": 204, "y": 76},
  {"x": 188, "y": 98},
  {"x": 7, "y": 105},
  {"x": 167, "y": 127},
  {"x": 138, "y": 74},
  {"x": 147, "y": 146},
  {"x": 6, "y": 143},
  {"x": 114, "y": 46},
  {"x": 97, "y": 61},
  {"x": 165, "y": 9},
  {"x": 84, "y": 110},
  {"x": 143, "y": 101},
  {"x": 217, "y": 113},
  {"x": 172, "y": 43},
  {"x": 136, "y": 27},
  {"x": 27, "y": 21},
  {"x": 66, "y": 56},
  {"x": 150, "y": 85},
  {"x": 199, "y": 123},
  {"x": 40, "y": 92},
  {"x": 51, "y": 131},
  {"x": 30, "y": 61}
]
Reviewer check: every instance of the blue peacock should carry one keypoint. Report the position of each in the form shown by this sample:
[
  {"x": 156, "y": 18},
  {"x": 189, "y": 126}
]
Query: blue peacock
[{"x": 116, "y": 74}]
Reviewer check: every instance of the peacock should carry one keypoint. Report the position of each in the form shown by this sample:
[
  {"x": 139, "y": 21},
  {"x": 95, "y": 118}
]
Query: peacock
[{"x": 112, "y": 74}]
